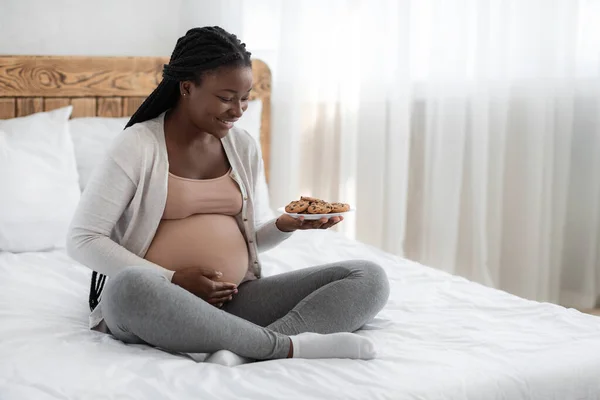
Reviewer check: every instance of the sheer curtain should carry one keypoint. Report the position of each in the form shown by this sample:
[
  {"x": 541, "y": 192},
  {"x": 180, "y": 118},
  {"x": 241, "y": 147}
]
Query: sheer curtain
[{"x": 466, "y": 132}]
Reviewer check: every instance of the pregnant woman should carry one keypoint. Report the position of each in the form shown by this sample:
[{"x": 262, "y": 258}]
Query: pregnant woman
[{"x": 167, "y": 222}]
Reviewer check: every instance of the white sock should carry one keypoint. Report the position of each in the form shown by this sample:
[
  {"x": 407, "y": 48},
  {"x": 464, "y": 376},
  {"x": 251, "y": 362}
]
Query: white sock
[
  {"x": 334, "y": 345},
  {"x": 226, "y": 358}
]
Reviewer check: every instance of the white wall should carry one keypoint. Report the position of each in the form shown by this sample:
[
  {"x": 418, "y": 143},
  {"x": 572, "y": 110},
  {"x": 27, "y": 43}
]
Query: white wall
[{"x": 107, "y": 27}]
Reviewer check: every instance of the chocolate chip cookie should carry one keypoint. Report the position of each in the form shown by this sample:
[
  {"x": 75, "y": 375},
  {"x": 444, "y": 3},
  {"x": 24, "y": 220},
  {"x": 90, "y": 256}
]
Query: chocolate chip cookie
[
  {"x": 318, "y": 208},
  {"x": 339, "y": 207},
  {"x": 297, "y": 206},
  {"x": 311, "y": 199}
]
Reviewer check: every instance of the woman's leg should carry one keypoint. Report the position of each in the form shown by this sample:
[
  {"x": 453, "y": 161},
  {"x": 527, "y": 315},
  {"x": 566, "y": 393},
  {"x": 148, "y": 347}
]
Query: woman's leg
[
  {"x": 337, "y": 297},
  {"x": 141, "y": 306}
]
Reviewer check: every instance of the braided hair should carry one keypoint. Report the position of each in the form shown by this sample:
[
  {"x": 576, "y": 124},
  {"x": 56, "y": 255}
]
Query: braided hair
[{"x": 199, "y": 51}]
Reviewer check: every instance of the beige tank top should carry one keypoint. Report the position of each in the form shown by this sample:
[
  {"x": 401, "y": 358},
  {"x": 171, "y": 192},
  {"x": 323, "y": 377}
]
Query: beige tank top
[{"x": 198, "y": 228}]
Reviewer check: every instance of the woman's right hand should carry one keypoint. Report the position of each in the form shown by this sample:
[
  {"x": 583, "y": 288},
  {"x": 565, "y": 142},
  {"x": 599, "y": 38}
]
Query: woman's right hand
[{"x": 202, "y": 283}]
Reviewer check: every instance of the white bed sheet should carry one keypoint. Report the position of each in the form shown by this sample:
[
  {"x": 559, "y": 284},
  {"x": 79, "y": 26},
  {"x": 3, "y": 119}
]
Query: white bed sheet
[{"x": 439, "y": 337}]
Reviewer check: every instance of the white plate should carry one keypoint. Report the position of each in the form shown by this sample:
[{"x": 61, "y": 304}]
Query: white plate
[{"x": 314, "y": 216}]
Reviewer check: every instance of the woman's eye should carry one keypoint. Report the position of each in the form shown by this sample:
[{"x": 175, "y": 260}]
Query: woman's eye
[
  {"x": 225, "y": 99},
  {"x": 245, "y": 99}
]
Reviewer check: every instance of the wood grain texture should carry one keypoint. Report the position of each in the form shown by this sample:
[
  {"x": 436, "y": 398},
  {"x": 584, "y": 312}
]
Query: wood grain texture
[
  {"x": 83, "y": 107},
  {"x": 29, "y": 105},
  {"x": 261, "y": 89},
  {"x": 7, "y": 108},
  {"x": 76, "y": 76},
  {"x": 52, "y": 103},
  {"x": 131, "y": 104},
  {"x": 102, "y": 86},
  {"x": 110, "y": 107}
]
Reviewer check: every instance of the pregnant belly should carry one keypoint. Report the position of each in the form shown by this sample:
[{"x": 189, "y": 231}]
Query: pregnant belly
[{"x": 201, "y": 240}]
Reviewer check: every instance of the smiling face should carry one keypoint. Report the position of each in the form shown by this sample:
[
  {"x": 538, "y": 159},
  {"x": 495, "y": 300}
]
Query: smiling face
[{"x": 218, "y": 100}]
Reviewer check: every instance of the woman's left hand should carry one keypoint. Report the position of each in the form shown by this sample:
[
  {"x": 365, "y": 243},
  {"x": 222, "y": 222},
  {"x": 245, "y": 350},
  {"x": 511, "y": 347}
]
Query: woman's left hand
[{"x": 286, "y": 223}]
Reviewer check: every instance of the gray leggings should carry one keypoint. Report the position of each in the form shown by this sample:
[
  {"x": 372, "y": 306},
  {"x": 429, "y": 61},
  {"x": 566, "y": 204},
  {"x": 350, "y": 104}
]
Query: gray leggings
[{"x": 141, "y": 306}]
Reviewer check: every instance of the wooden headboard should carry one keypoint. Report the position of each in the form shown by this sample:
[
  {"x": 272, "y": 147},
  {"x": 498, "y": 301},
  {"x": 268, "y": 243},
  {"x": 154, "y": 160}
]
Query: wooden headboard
[{"x": 100, "y": 86}]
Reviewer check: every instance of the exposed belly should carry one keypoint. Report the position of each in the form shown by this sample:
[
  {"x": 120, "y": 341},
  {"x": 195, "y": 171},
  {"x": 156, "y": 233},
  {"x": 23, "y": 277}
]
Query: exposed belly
[{"x": 201, "y": 240}]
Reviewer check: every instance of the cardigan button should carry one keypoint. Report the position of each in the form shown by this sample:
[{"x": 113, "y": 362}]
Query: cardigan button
[{"x": 245, "y": 219}]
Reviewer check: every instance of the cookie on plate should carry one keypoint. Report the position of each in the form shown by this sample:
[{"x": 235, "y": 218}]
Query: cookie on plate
[
  {"x": 311, "y": 199},
  {"x": 339, "y": 207},
  {"x": 318, "y": 208},
  {"x": 297, "y": 207}
]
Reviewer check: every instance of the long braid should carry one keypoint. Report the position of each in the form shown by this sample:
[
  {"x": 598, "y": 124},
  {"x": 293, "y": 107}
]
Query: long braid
[{"x": 200, "y": 50}]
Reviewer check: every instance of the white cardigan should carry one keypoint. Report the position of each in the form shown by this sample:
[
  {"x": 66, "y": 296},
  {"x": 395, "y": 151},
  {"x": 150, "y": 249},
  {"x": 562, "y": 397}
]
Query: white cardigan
[{"x": 123, "y": 203}]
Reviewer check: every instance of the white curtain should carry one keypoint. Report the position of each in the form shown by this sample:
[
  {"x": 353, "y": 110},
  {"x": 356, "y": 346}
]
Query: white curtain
[{"x": 466, "y": 132}]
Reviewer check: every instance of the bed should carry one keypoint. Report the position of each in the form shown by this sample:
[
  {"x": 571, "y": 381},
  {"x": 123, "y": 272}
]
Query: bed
[{"x": 439, "y": 337}]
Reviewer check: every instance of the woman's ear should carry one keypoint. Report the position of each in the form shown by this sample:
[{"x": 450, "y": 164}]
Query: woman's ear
[{"x": 184, "y": 87}]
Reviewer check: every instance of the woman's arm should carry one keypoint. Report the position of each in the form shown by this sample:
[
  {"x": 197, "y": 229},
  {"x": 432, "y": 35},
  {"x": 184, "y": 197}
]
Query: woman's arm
[
  {"x": 102, "y": 204},
  {"x": 268, "y": 235}
]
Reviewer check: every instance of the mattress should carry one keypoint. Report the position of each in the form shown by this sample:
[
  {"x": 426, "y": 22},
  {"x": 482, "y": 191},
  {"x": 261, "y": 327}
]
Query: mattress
[{"x": 439, "y": 337}]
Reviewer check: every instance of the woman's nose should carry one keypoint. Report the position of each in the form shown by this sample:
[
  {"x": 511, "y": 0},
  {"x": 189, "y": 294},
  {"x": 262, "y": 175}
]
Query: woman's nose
[{"x": 237, "y": 110}]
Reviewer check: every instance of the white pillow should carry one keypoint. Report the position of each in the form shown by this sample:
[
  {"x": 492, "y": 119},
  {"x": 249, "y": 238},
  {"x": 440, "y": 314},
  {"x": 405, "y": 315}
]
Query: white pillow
[
  {"x": 250, "y": 122},
  {"x": 92, "y": 136},
  {"x": 38, "y": 181}
]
